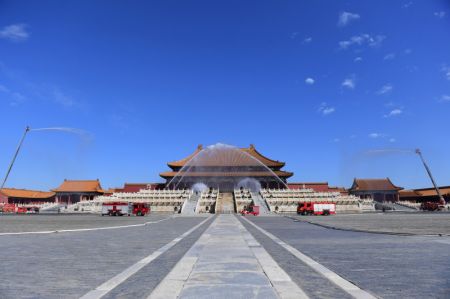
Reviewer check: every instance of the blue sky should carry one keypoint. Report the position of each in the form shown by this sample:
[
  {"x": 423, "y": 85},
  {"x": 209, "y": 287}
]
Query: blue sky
[{"x": 322, "y": 85}]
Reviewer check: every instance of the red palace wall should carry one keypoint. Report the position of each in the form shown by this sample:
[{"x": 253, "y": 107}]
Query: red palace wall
[{"x": 3, "y": 198}]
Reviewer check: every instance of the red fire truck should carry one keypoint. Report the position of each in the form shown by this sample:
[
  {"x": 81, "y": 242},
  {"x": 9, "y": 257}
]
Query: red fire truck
[
  {"x": 140, "y": 209},
  {"x": 431, "y": 206},
  {"x": 316, "y": 208},
  {"x": 251, "y": 210},
  {"x": 125, "y": 208}
]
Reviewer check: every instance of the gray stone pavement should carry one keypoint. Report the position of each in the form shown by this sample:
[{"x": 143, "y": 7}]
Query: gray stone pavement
[
  {"x": 227, "y": 262},
  {"x": 314, "y": 284},
  {"x": 230, "y": 258},
  {"x": 68, "y": 265},
  {"x": 142, "y": 283},
  {"x": 420, "y": 223},
  {"x": 42, "y": 222},
  {"x": 387, "y": 266}
]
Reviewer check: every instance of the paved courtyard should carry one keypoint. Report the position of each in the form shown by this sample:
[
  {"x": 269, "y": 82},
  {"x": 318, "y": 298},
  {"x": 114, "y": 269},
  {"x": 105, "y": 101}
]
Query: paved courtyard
[
  {"x": 416, "y": 223},
  {"x": 221, "y": 256},
  {"x": 45, "y": 222}
]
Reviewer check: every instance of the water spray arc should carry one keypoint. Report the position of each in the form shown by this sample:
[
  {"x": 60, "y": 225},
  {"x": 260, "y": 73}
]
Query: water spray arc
[
  {"x": 27, "y": 130},
  {"x": 441, "y": 198},
  {"x": 218, "y": 158}
]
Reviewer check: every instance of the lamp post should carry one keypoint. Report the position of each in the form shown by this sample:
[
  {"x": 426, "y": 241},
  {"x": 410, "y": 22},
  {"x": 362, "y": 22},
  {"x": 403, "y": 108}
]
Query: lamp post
[
  {"x": 441, "y": 198},
  {"x": 27, "y": 129}
]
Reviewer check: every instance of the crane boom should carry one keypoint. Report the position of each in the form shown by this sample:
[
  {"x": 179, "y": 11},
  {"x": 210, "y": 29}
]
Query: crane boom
[
  {"x": 27, "y": 129},
  {"x": 441, "y": 198}
]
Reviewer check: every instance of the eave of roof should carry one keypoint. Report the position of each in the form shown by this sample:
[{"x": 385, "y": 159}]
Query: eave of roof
[
  {"x": 374, "y": 185},
  {"x": 25, "y": 193},
  {"x": 250, "y": 150},
  {"x": 171, "y": 174},
  {"x": 83, "y": 186},
  {"x": 308, "y": 183}
]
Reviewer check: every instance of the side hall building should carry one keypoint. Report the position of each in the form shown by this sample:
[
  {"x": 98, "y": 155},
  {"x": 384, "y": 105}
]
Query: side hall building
[
  {"x": 377, "y": 189},
  {"x": 73, "y": 191},
  {"x": 24, "y": 196}
]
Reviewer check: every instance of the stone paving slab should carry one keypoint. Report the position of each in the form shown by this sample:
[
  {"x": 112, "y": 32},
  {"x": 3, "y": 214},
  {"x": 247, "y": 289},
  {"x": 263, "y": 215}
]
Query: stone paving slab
[
  {"x": 385, "y": 265},
  {"x": 230, "y": 264},
  {"x": 231, "y": 291},
  {"x": 67, "y": 265},
  {"x": 420, "y": 223},
  {"x": 45, "y": 222},
  {"x": 313, "y": 283},
  {"x": 233, "y": 277},
  {"x": 142, "y": 283}
]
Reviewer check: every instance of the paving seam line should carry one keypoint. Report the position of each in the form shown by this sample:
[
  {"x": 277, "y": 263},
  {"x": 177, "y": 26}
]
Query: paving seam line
[
  {"x": 280, "y": 280},
  {"x": 84, "y": 229},
  {"x": 173, "y": 283},
  {"x": 112, "y": 283},
  {"x": 367, "y": 231},
  {"x": 338, "y": 280}
]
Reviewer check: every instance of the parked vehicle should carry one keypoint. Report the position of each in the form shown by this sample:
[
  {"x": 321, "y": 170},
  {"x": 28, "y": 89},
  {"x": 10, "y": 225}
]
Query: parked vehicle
[
  {"x": 251, "y": 210},
  {"x": 8, "y": 208},
  {"x": 315, "y": 208},
  {"x": 431, "y": 206},
  {"x": 125, "y": 208},
  {"x": 140, "y": 209},
  {"x": 21, "y": 210},
  {"x": 116, "y": 208}
]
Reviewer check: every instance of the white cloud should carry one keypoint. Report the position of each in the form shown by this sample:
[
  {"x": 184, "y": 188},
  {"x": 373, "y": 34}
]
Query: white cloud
[
  {"x": 349, "y": 83},
  {"x": 15, "y": 32},
  {"x": 446, "y": 70},
  {"x": 394, "y": 112},
  {"x": 381, "y": 136},
  {"x": 389, "y": 56},
  {"x": 375, "y": 135},
  {"x": 16, "y": 98},
  {"x": 347, "y": 17},
  {"x": 387, "y": 88},
  {"x": 4, "y": 89},
  {"x": 294, "y": 35},
  {"x": 307, "y": 40},
  {"x": 328, "y": 110},
  {"x": 440, "y": 14},
  {"x": 445, "y": 98},
  {"x": 361, "y": 40},
  {"x": 324, "y": 109},
  {"x": 60, "y": 98},
  {"x": 357, "y": 59},
  {"x": 309, "y": 81},
  {"x": 336, "y": 139},
  {"x": 406, "y": 5}
]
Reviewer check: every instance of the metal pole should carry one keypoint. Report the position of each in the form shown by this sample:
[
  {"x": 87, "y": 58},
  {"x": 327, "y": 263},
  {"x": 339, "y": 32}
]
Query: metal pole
[
  {"x": 27, "y": 129},
  {"x": 441, "y": 198}
]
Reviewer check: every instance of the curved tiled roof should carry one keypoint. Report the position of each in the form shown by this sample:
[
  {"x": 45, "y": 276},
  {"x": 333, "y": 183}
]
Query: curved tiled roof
[
  {"x": 80, "y": 186},
  {"x": 24, "y": 193},
  {"x": 374, "y": 185},
  {"x": 171, "y": 174},
  {"x": 221, "y": 158}
]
